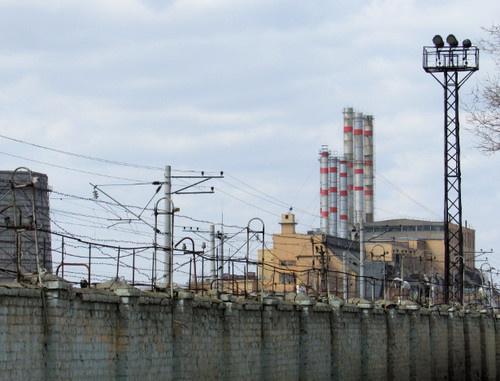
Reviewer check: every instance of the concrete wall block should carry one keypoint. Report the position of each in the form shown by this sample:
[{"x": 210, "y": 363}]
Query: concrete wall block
[
  {"x": 420, "y": 346},
  {"x": 398, "y": 345},
  {"x": 456, "y": 347},
  {"x": 373, "y": 345},
  {"x": 346, "y": 359},
  {"x": 439, "y": 345},
  {"x": 280, "y": 343},
  {"x": 316, "y": 355},
  {"x": 472, "y": 340},
  {"x": 488, "y": 336}
]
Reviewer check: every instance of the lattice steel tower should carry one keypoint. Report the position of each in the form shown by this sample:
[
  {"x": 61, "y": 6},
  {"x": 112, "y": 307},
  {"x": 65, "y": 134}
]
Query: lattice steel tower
[{"x": 457, "y": 63}]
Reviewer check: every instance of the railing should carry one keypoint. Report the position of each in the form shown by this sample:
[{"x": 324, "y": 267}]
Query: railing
[{"x": 87, "y": 263}]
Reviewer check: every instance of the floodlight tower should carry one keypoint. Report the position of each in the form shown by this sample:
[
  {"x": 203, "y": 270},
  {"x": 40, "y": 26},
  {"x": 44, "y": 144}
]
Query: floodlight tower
[{"x": 457, "y": 63}]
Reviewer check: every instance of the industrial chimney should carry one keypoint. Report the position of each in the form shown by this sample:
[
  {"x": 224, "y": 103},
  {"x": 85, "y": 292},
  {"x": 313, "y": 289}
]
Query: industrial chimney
[{"x": 323, "y": 159}]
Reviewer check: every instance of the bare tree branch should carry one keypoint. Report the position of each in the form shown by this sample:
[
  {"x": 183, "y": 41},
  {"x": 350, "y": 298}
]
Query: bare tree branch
[{"x": 484, "y": 110}]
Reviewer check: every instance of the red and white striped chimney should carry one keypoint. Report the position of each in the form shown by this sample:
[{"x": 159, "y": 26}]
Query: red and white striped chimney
[
  {"x": 323, "y": 159},
  {"x": 348, "y": 155},
  {"x": 358, "y": 168},
  {"x": 343, "y": 229},
  {"x": 333, "y": 224},
  {"x": 368, "y": 167}
]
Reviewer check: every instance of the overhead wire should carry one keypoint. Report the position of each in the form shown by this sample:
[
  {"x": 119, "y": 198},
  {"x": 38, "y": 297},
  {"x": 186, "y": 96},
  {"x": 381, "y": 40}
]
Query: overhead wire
[
  {"x": 406, "y": 194},
  {"x": 67, "y": 168},
  {"x": 266, "y": 197},
  {"x": 88, "y": 157}
]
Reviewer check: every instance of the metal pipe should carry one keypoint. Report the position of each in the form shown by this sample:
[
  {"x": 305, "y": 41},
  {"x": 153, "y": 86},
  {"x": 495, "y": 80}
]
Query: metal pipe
[
  {"x": 118, "y": 263},
  {"x": 203, "y": 274},
  {"x": 168, "y": 275},
  {"x": 194, "y": 273},
  {"x": 247, "y": 260},
  {"x": 190, "y": 282},
  {"x": 62, "y": 255},
  {"x": 263, "y": 232},
  {"x": 490, "y": 282},
  {"x": 90, "y": 262},
  {"x": 362, "y": 259},
  {"x": 133, "y": 267}
]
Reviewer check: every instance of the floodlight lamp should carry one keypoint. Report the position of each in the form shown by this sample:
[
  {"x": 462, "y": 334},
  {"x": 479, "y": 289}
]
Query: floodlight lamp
[
  {"x": 452, "y": 41},
  {"x": 466, "y": 43},
  {"x": 438, "y": 41}
]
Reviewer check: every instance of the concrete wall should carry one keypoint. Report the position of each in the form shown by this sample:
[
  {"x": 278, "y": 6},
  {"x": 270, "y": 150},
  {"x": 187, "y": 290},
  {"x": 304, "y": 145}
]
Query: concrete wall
[{"x": 118, "y": 332}]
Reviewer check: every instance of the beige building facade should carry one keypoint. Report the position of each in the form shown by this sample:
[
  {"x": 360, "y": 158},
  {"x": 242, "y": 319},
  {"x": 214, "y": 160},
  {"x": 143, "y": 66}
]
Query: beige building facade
[
  {"x": 394, "y": 249},
  {"x": 303, "y": 262}
]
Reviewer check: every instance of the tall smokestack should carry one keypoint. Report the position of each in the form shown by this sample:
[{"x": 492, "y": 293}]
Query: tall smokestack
[
  {"x": 343, "y": 230},
  {"x": 323, "y": 159},
  {"x": 333, "y": 196},
  {"x": 348, "y": 154},
  {"x": 358, "y": 168},
  {"x": 368, "y": 167}
]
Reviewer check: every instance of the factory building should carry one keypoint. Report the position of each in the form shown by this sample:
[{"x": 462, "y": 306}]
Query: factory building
[
  {"x": 309, "y": 262},
  {"x": 350, "y": 242},
  {"x": 423, "y": 239}
]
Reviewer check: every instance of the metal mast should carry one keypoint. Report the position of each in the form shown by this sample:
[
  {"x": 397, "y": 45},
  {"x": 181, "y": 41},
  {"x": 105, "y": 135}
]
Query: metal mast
[{"x": 457, "y": 63}]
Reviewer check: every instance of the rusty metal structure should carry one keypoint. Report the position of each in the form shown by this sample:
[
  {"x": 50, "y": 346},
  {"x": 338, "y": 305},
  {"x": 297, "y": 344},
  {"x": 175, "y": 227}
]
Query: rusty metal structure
[{"x": 457, "y": 63}]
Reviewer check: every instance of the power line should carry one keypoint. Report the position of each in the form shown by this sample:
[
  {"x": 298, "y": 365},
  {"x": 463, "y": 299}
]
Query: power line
[
  {"x": 266, "y": 197},
  {"x": 114, "y": 162},
  {"x": 406, "y": 195},
  {"x": 67, "y": 168}
]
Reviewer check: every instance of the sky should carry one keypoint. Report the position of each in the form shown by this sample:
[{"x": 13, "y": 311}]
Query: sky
[{"x": 251, "y": 88}]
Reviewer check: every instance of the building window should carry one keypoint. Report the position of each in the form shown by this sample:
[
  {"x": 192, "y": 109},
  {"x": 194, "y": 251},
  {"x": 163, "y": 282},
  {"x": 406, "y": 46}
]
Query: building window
[
  {"x": 287, "y": 278},
  {"x": 288, "y": 263}
]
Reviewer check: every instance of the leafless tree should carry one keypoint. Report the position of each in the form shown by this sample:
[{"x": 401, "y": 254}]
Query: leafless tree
[{"x": 484, "y": 110}]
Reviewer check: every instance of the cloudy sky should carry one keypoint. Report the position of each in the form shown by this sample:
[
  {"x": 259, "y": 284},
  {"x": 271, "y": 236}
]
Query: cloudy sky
[{"x": 253, "y": 88}]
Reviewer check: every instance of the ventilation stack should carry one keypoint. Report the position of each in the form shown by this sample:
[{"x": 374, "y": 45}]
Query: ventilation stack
[
  {"x": 343, "y": 229},
  {"x": 323, "y": 159},
  {"x": 333, "y": 199},
  {"x": 368, "y": 168},
  {"x": 348, "y": 154},
  {"x": 358, "y": 168}
]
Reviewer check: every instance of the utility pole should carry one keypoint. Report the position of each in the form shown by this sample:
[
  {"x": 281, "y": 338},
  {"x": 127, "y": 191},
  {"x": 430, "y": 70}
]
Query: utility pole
[
  {"x": 362, "y": 259},
  {"x": 168, "y": 226},
  {"x": 213, "y": 267},
  {"x": 170, "y": 210},
  {"x": 344, "y": 275}
]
